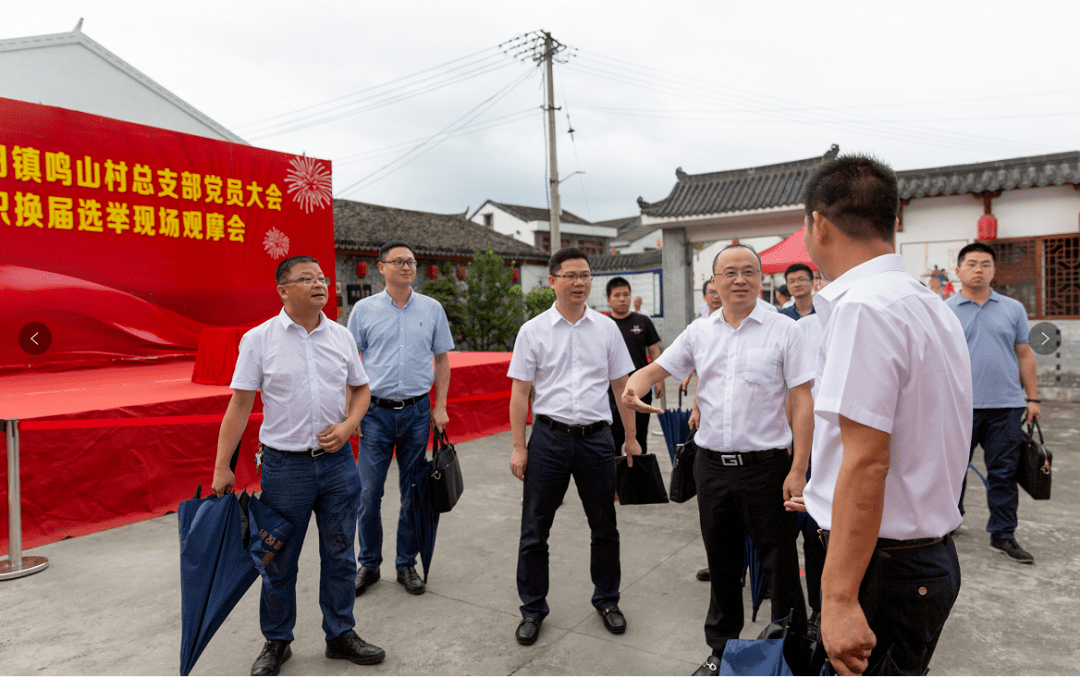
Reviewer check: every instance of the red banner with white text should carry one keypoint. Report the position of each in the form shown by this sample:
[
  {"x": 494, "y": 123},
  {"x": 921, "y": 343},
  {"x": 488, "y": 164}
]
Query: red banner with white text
[{"x": 121, "y": 241}]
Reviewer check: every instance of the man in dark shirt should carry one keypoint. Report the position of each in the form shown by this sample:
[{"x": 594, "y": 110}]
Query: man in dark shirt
[
  {"x": 644, "y": 345},
  {"x": 800, "y": 282}
]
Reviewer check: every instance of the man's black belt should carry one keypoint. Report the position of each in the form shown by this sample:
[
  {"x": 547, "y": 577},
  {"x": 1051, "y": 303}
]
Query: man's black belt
[
  {"x": 397, "y": 404},
  {"x": 572, "y": 430},
  {"x": 890, "y": 543},
  {"x": 314, "y": 453},
  {"x": 741, "y": 458}
]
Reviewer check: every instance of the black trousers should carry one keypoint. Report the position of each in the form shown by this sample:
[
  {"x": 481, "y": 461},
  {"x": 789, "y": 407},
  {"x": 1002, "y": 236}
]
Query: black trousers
[
  {"x": 554, "y": 457},
  {"x": 907, "y": 594},
  {"x": 734, "y": 501},
  {"x": 618, "y": 433}
]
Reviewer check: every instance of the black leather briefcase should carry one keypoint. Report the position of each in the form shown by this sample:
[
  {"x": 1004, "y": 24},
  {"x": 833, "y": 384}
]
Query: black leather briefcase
[
  {"x": 1033, "y": 470},
  {"x": 446, "y": 482},
  {"x": 641, "y": 483},
  {"x": 683, "y": 487}
]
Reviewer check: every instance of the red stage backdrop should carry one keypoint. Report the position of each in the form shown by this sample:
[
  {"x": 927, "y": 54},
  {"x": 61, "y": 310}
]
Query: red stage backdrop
[{"x": 122, "y": 241}]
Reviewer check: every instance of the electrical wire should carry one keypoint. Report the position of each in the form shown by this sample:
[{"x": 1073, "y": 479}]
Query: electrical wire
[{"x": 437, "y": 138}]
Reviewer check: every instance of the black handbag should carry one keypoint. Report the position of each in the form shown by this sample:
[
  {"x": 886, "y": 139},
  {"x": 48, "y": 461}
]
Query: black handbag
[
  {"x": 1033, "y": 469},
  {"x": 683, "y": 487},
  {"x": 446, "y": 482},
  {"x": 641, "y": 483}
]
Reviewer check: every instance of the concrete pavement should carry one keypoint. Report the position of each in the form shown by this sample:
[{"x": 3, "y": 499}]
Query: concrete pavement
[{"x": 110, "y": 602}]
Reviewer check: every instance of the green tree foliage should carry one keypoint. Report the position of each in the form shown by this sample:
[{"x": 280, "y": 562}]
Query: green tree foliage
[
  {"x": 539, "y": 300},
  {"x": 493, "y": 306}
]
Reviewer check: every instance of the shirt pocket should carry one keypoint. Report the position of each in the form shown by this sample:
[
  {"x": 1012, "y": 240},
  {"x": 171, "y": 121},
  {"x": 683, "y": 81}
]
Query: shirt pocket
[{"x": 761, "y": 367}]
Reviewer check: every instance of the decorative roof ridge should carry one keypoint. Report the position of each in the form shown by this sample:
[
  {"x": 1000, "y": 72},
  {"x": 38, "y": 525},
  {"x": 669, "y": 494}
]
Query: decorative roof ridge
[
  {"x": 761, "y": 169},
  {"x": 991, "y": 165}
]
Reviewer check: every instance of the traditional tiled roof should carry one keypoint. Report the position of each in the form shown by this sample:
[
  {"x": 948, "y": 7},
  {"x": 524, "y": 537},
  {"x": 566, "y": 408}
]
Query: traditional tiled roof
[
  {"x": 736, "y": 190},
  {"x": 989, "y": 177},
  {"x": 654, "y": 258},
  {"x": 359, "y": 226},
  {"x": 529, "y": 214},
  {"x": 621, "y": 224}
]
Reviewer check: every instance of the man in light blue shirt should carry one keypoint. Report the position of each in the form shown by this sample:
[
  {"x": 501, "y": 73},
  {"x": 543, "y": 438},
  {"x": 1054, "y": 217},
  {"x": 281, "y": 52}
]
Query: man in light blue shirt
[
  {"x": 998, "y": 338},
  {"x": 398, "y": 332}
]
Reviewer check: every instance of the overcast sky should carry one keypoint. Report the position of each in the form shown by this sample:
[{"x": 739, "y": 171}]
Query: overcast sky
[{"x": 648, "y": 87}]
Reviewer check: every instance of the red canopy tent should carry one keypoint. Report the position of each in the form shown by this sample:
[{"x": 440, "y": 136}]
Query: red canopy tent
[{"x": 777, "y": 258}]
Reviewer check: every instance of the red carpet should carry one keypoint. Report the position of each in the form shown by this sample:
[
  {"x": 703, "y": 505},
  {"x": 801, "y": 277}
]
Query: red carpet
[{"x": 107, "y": 467}]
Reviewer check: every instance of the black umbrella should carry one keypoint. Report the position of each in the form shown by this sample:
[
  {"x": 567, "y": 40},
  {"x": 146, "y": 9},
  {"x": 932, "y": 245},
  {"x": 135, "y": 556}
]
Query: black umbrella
[
  {"x": 225, "y": 543},
  {"x": 676, "y": 426},
  {"x": 418, "y": 507}
]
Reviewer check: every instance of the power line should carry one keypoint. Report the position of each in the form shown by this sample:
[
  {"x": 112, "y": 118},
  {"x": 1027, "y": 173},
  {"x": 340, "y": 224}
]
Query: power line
[{"x": 437, "y": 138}]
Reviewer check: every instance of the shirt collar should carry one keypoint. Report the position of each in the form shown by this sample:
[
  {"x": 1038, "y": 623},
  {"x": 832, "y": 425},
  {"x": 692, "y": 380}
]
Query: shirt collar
[
  {"x": 287, "y": 321},
  {"x": 994, "y": 296},
  {"x": 827, "y": 297},
  {"x": 757, "y": 314},
  {"x": 555, "y": 315},
  {"x": 386, "y": 293}
]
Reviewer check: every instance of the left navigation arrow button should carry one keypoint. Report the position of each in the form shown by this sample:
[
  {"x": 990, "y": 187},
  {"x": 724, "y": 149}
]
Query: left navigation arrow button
[{"x": 35, "y": 338}]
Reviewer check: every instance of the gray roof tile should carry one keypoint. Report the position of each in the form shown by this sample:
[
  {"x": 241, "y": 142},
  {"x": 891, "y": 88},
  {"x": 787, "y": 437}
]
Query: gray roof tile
[
  {"x": 1035, "y": 171},
  {"x": 359, "y": 226}
]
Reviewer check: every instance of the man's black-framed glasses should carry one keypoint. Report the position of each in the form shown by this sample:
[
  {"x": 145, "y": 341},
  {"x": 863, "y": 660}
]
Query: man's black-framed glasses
[{"x": 403, "y": 263}]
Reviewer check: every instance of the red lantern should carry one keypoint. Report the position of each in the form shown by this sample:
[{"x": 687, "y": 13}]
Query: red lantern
[
  {"x": 361, "y": 269},
  {"x": 988, "y": 227},
  {"x": 433, "y": 271},
  {"x": 461, "y": 272},
  {"x": 517, "y": 274}
]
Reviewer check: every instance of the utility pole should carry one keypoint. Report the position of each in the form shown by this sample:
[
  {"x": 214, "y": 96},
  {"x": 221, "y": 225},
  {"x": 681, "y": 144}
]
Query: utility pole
[
  {"x": 553, "y": 163},
  {"x": 542, "y": 48}
]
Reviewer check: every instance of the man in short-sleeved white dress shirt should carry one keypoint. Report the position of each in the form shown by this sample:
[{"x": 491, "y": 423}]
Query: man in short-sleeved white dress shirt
[
  {"x": 314, "y": 394},
  {"x": 892, "y": 429},
  {"x": 571, "y": 354},
  {"x": 748, "y": 361}
]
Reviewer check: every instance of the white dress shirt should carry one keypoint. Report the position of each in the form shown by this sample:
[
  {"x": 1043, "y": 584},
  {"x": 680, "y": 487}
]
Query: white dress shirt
[
  {"x": 893, "y": 357},
  {"x": 570, "y": 365},
  {"x": 302, "y": 377},
  {"x": 743, "y": 377},
  {"x": 812, "y": 332}
]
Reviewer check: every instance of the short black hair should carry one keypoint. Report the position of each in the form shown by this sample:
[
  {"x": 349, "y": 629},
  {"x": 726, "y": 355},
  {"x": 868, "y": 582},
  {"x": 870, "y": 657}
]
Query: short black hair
[
  {"x": 616, "y": 282},
  {"x": 392, "y": 244},
  {"x": 705, "y": 287},
  {"x": 563, "y": 255},
  {"x": 733, "y": 245},
  {"x": 858, "y": 193},
  {"x": 796, "y": 267},
  {"x": 782, "y": 289},
  {"x": 281, "y": 275},
  {"x": 976, "y": 247}
]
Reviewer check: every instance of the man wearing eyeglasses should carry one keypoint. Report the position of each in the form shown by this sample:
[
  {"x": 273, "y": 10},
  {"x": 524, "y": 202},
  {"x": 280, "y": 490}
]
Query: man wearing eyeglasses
[
  {"x": 748, "y": 361},
  {"x": 399, "y": 332},
  {"x": 1003, "y": 368},
  {"x": 571, "y": 354},
  {"x": 314, "y": 394},
  {"x": 800, "y": 282}
]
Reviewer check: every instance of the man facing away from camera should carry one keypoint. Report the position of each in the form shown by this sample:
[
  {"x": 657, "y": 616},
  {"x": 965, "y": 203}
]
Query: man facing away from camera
[
  {"x": 571, "y": 354},
  {"x": 892, "y": 429},
  {"x": 314, "y": 394}
]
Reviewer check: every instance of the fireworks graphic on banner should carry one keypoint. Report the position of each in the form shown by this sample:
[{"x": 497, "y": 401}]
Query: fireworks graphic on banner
[
  {"x": 309, "y": 183},
  {"x": 276, "y": 243}
]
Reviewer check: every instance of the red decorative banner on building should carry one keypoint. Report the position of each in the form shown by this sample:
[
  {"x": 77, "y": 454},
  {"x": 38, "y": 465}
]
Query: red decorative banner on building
[{"x": 123, "y": 241}]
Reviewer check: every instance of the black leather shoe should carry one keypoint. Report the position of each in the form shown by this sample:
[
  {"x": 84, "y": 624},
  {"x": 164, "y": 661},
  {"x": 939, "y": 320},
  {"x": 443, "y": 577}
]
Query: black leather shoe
[
  {"x": 613, "y": 620},
  {"x": 710, "y": 667},
  {"x": 527, "y": 631},
  {"x": 350, "y": 647},
  {"x": 273, "y": 656},
  {"x": 365, "y": 578},
  {"x": 703, "y": 574},
  {"x": 411, "y": 580}
]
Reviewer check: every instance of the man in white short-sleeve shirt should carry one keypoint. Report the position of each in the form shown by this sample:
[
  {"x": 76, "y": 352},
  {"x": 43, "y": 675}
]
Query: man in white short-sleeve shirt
[
  {"x": 314, "y": 394},
  {"x": 571, "y": 354},
  {"x": 748, "y": 362},
  {"x": 892, "y": 429}
]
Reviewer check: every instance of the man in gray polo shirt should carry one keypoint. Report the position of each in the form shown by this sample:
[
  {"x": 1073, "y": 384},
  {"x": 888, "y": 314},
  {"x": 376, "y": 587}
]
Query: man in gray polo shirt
[{"x": 998, "y": 338}]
